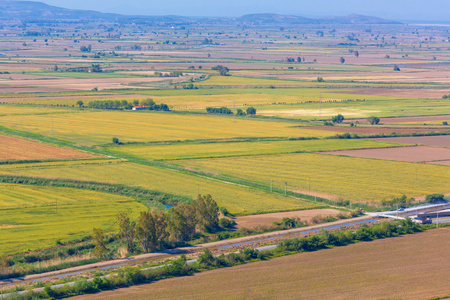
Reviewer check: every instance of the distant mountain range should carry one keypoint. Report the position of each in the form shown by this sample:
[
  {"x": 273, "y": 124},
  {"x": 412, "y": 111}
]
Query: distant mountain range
[
  {"x": 31, "y": 10},
  {"x": 285, "y": 19}
]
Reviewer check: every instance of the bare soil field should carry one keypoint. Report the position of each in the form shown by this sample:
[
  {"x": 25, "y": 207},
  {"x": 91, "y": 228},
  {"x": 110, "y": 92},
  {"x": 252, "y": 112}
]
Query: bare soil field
[
  {"x": 14, "y": 148},
  {"x": 441, "y": 162},
  {"x": 404, "y": 119},
  {"x": 268, "y": 219},
  {"x": 407, "y": 267},
  {"x": 409, "y": 93},
  {"x": 409, "y": 154},
  {"x": 377, "y": 130},
  {"x": 80, "y": 84},
  {"x": 437, "y": 141}
]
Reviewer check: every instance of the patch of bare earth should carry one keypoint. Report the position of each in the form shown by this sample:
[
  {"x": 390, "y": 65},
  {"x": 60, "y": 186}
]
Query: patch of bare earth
[
  {"x": 377, "y": 130},
  {"x": 413, "y": 93},
  {"x": 268, "y": 219},
  {"x": 407, "y": 267},
  {"x": 437, "y": 141},
  {"x": 15, "y": 148},
  {"x": 409, "y": 154},
  {"x": 403, "y": 119}
]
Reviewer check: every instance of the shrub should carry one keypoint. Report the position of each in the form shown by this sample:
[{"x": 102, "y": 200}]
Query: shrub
[
  {"x": 226, "y": 223},
  {"x": 251, "y": 111},
  {"x": 434, "y": 198},
  {"x": 373, "y": 120}
]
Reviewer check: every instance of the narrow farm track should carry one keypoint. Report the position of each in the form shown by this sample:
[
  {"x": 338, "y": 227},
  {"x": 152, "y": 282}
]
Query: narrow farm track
[{"x": 220, "y": 246}]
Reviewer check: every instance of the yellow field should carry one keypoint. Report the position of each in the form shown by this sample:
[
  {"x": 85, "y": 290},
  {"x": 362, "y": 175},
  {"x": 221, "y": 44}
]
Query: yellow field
[
  {"x": 184, "y": 151},
  {"x": 6, "y": 110},
  {"x": 29, "y": 220},
  {"x": 358, "y": 178},
  {"x": 235, "y": 198},
  {"x": 19, "y": 196},
  {"x": 92, "y": 128}
]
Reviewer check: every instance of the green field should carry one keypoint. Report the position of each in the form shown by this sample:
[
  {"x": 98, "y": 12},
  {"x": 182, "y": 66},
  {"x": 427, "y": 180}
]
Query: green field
[
  {"x": 99, "y": 127},
  {"x": 206, "y": 150},
  {"x": 29, "y": 220},
  {"x": 357, "y": 178},
  {"x": 237, "y": 199}
]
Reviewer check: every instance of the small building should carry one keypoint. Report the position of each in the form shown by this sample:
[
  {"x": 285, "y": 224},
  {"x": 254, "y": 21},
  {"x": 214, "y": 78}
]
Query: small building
[{"x": 139, "y": 107}]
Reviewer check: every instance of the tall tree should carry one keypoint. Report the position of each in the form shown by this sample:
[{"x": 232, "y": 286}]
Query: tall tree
[
  {"x": 181, "y": 222},
  {"x": 207, "y": 213},
  {"x": 151, "y": 230},
  {"x": 126, "y": 229},
  {"x": 99, "y": 241}
]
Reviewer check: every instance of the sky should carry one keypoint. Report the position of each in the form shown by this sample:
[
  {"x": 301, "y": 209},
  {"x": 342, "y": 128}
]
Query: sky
[{"x": 402, "y": 10}]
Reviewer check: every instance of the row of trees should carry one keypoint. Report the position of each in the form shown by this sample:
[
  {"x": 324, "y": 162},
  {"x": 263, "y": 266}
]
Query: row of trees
[
  {"x": 152, "y": 230},
  {"x": 124, "y": 104},
  {"x": 170, "y": 74},
  {"x": 225, "y": 110}
]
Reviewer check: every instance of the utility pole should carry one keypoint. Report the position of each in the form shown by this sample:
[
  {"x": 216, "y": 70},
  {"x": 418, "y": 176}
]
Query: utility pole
[{"x": 285, "y": 188}]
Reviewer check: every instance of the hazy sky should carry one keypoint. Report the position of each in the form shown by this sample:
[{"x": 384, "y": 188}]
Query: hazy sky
[{"x": 429, "y": 10}]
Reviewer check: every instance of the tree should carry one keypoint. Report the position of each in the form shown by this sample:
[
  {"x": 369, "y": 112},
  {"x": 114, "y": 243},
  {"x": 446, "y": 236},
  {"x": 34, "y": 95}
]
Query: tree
[
  {"x": 86, "y": 49},
  {"x": 320, "y": 79},
  {"x": 96, "y": 68},
  {"x": 207, "y": 213},
  {"x": 373, "y": 120},
  {"x": 396, "y": 68},
  {"x": 223, "y": 71},
  {"x": 126, "y": 230},
  {"x": 240, "y": 112},
  {"x": 99, "y": 241},
  {"x": 80, "y": 103},
  {"x": 342, "y": 60},
  {"x": 151, "y": 230},
  {"x": 251, "y": 111},
  {"x": 3, "y": 263},
  {"x": 356, "y": 53},
  {"x": 115, "y": 140},
  {"x": 337, "y": 119},
  {"x": 55, "y": 68},
  {"x": 434, "y": 198},
  {"x": 181, "y": 222}
]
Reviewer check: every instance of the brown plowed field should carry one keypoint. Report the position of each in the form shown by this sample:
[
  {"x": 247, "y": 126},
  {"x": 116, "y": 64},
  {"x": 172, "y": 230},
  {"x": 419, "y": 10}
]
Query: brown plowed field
[
  {"x": 14, "y": 148},
  {"x": 409, "y": 154},
  {"x": 409, "y": 93},
  {"x": 437, "y": 141},
  {"x": 268, "y": 219},
  {"x": 376, "y": 130},
  {"x": 407, "y": 267},
  {"x": 404, "y": 119}
]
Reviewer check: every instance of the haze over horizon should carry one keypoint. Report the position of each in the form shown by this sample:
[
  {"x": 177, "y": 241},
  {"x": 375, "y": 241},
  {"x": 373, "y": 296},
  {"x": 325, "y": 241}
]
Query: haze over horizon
[{"x": 400, "y": 10}]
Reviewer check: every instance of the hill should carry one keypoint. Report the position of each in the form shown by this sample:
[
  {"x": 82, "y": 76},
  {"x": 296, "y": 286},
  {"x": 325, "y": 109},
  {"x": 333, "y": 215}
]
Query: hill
[
  {"x": 31, "y": 10},
  {"x": 267, "y": 18}
]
